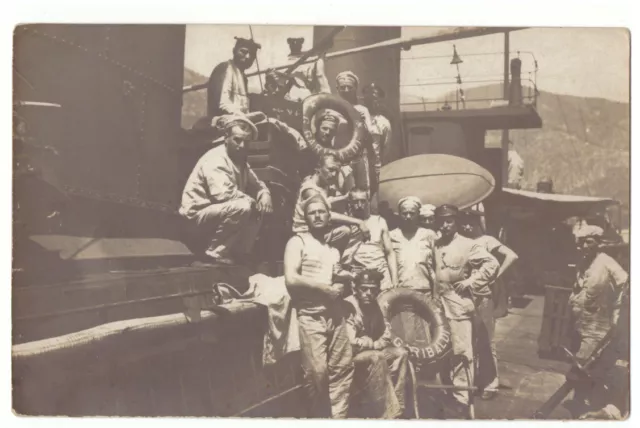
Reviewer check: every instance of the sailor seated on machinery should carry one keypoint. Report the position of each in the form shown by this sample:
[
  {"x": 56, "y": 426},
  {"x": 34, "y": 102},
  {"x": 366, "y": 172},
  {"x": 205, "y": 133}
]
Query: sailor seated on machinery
[
  {"x": 224, "y": 199},
  {"x": 306, "y": 79},
  {"x": 380, "y": 369},
  {"x": 227, "y": 91},
  {"x": 228, "y": 94},
  {"x": 227, "y": 86}
]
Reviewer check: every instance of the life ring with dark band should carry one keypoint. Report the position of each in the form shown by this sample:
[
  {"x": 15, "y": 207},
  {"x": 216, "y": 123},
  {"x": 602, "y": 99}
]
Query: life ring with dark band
[
  {"x": 312, "y": 105},
  {"x": 397, "y": 300}
]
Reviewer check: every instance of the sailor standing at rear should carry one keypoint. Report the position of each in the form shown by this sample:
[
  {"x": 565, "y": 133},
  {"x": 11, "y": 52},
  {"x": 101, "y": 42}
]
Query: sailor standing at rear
[
  {"x": 347, "y": 87},
  {"x": 380, "y": 125}
]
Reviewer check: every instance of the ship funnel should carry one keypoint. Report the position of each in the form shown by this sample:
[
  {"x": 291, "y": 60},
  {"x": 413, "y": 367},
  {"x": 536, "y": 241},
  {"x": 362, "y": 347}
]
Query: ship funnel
[{"x": 515, "y": 89}]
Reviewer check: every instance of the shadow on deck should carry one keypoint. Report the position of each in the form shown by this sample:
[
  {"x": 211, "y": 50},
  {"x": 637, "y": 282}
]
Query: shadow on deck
[{"x": 526, "y": 379}]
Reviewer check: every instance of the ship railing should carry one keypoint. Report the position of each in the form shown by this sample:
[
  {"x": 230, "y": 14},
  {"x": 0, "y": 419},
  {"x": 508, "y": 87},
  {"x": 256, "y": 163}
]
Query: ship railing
[{"x": 457, "y": 98}]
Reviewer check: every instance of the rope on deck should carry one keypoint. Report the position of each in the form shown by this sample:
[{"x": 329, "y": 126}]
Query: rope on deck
[{"x": 96, "y": 335}]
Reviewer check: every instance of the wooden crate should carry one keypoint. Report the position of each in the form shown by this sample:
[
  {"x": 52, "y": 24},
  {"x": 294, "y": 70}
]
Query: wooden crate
[{"x": 556, "y": 322}]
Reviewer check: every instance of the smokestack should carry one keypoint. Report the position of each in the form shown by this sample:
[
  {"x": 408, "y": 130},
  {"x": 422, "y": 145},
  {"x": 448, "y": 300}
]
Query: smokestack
[{"x": 515, "y": 89}]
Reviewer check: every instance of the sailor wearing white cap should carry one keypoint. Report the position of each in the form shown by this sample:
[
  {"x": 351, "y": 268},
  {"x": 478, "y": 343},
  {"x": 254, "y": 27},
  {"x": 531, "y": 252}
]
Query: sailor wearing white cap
[
  {"x": 596, "y": 302},
  {"x": 224, "y": 198},
  {"x": 347, "y": 87}
]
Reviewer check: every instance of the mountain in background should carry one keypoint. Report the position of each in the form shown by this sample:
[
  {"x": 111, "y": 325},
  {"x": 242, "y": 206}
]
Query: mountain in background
[
  {"x": 584, "y": 145},
  {"x": 194, "y": 104}
]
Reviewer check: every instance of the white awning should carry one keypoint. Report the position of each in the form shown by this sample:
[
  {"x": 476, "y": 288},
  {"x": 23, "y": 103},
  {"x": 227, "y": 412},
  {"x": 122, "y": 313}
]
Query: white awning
[
  {"x": 558, "y": 197},
  {"x": 553, "y": 206}
]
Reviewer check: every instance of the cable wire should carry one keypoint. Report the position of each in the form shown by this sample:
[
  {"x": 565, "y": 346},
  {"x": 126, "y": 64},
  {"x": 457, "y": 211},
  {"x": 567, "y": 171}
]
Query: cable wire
[{"x": 257, "y": 62}]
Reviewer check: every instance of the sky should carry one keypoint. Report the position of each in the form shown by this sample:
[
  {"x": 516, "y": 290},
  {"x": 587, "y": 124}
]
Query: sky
[{"x": 590, "y": 62}]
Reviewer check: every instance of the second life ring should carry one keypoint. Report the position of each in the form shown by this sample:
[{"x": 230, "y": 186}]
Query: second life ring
[
  {"x": 397, "y": 300},
  {"x": 315, "y": 103}
]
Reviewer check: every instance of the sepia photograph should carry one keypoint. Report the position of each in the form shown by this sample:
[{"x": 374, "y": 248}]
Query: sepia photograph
[{"x": 321, "y": 221}]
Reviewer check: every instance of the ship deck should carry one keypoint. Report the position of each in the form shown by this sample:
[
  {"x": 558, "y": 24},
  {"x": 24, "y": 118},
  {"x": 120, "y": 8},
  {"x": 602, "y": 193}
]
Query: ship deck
[{"x": 526, "y": 380}]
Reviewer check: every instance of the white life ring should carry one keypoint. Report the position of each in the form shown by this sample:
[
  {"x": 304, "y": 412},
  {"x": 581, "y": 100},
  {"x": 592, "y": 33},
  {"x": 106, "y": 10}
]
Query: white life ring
[
  {"x": 312, "y": 105},
  {"x": 397, "y": 300}
]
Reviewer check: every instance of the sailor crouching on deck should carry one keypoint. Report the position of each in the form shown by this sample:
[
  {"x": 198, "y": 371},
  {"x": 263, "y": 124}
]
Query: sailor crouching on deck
[
  {"x": 321, "y": 184},
  {"x": 224, "y": 198},
  {"x": 464, "y": 271},
  {"x": 598, "y": 303},
  {"x": 381, "y": 370},
  {"x": 312, "y": 277}
]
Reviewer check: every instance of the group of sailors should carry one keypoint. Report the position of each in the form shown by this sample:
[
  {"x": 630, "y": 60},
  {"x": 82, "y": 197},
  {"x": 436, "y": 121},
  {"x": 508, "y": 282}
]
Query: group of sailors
[
  {"x": 228, "y": 94},
  {"x": 344, "y": 346},
  {"x": 235, "y": 186},
  {"x": 341, "y": 256}
]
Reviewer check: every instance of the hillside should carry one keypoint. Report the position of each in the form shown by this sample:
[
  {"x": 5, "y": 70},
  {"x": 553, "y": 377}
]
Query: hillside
[
  {"x": 583, "y": 145},
  {"x": 194, "y": 104}
]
